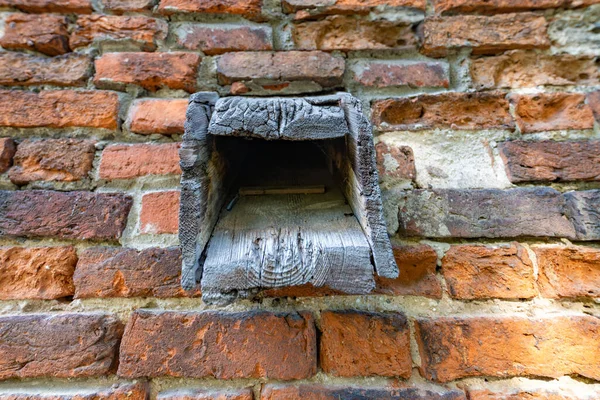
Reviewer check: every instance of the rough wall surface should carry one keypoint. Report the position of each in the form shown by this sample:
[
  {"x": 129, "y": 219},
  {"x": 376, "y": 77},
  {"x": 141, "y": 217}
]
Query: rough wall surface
[{"x": 486, "y": 116}]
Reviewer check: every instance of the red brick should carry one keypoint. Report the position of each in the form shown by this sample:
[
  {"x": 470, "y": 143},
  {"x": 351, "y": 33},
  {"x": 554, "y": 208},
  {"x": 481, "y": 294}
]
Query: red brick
[
  {"x": 481, "y": 272},
  {"x": 320, "y": 7},
  {"x": 569, "y": 272},
  {"x": 255, "y": 344},
  {"x": 118, "y": 272},
  {"x": 552, "y": 111},
  {"x": 59, "y": 109},
  {"x": 65, "y": 215},
  {"x": 37, "y": 273},
  {"x": 467, "y": 111},
  {"x": 483, "y": 34},
  {"x": 160, "y": 212},
  {"x": 130, "y": 391},
  {"x": 58, "y": 345},
  {"x": 549, "y": 161},
  {"x": 143, "y": 31},
  {"x": 355, "y": 343},
  {"x": 338, "y": 32},
  {"x": 151, "y": 71},
  {"x": 122, "y": 6},
  {"x": 503, "y": 346},
  {"x": 417, "y": 265},
  {"x": 44, "y": 33},
  {"x": 531, "y": 394},
  {"x": 250, "y": 9},
  {"x": 7, "y": 151},
  {"x": 593, "y": 100},
  {"x": 494, "y": 6},
  {"x": 18, "y": 69},
  {"x": 121, "y": 161},
  {"x": 393, "y": 74},
  {"x": 218, "y": 394},
  {"x": 289, "y": 66},
  {"x": 165, "y": 116},
  {"x": 518, "y": 69},
  {"x": 397, "y": 162},
  {"x": 46, "y": 6},
  {"x": 216, "y": 39},
  {"x": 65, "y": 160},
  {"x": 315, "y": 391}
]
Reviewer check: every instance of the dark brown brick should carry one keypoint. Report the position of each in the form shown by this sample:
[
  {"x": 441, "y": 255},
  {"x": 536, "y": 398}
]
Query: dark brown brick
[
  {"x": 483, "y": 34},
  {"x": 582, "y": 208},
  {"x": 205, "y": 394},
  {"x": 122, "y": 6},
  {"x": 7, "y": 151},
  {"x": 355, "y": 343},
  {"x": 593, "y": 100},
  {"x": 59, "y": 109},
  {"x": 44, "y": 33},
  {"x": 552, "y": 111},
  {"x": 490, "y": 213},
  {"x": 250, "y": 9},
  {"x": 47, "y": 6},
  {"x": 468, "y": 111},
  {"x": 254, "y": 344},
  {"x": 504, "y": 346},
  {"x": 143, "y": 31},
  {"x": 120, "y": 161},
  {"x": 65, "y": 215},
  {"x": 381, "y": 74},
  {"x": 569, "y": 272},
  {"x": 353, "y": 7},
  {"x": 58, "y": 345},
  {"x": 37, "y": 273},
  {"x": 118, "y": 272},
  {"x": 65, "y": 160},
  {"x": 482, "y": 272},
  {"x": 130, "y": 391},
  {"x": 151, "y": 71},
  {"x": 165, "y": 116},
  {"x": 329, "y": 392},
  {"x": 18, "y": 69},
  {"x": 417, "y": 265},
  {"x": 549, "y": 161},
  {"x": 218, "y": 39}
]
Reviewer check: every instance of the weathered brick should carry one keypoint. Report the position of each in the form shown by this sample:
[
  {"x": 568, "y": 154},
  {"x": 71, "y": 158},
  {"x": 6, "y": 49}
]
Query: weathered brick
[
  {"x": 66, "y": 215},
  {"x": 165, "y": 116},
  {"x": 381, "y": 74},
  {"x": 47, "y": 6},
  {"x": 122, "y": 6},
  {"x": 593, "y": 100},
  {"x": 518, "y": 69},
  {"x": 483, "y": 34},
  {"x": 130, "y": 391},
  {"x": 329, "y": 392},
  {"x": 493, "y": 6},
  {"x": 417, "y": 265},
  {"x": 355, "y": 343},
  {"x": 531, "y": 394},
  {"x": 338, "y": 32},
  {"x": 253, "y": 344},
  {"x": 453, "y": 348},
  {"x": 219, "y": 39},
  {"x": 491, "y": 213},
  {"x": 44, "y": 33},
  {"x": 37, "y": 273},
  {"x": 552, "y": 111},
  {"x": 397, "y": 162},
  {"x": 569, "y": 272},
  {"x": 549, "y": 161},
  {"x": 58, "y": 345},
  {"x": 160, "y": 212},
  {"x": 320, "y": 7},
  {"x": 121, "y": 161},
  {"x": 447, "y": 110},
  {"x": 59, "y": 109},
  {"x": 24, "y": 70},
  {"x": 218, "y": 394},
  {"x": 118, "y": 272},
  {"x": 151, "y": 71},
  {"x": 481, "y": 272},
  {"x": 575, "y": 32},
  {"x": 64, "y": 160},
  {"x": 250, "y": 9},
  {"x": 289, "y": 66},
  {"x": 7, "y": 151},
  {"x": 143, "y": 31},
  {"x": 582, "y": 208}
]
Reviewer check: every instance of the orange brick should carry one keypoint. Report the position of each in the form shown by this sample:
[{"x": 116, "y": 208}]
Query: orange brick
[
  {"x": 132, "y": 161},
  {"x": 165, "y": 116},
  {"x": 44, "y": 33},
  {"x": 160, "y": 212},
  {"x": 50, "y": 6},
  {"x": 250, "y": 9}
]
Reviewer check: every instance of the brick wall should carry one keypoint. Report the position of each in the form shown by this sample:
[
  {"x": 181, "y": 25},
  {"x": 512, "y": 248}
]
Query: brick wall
[{"x": 486, "y": 115}]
